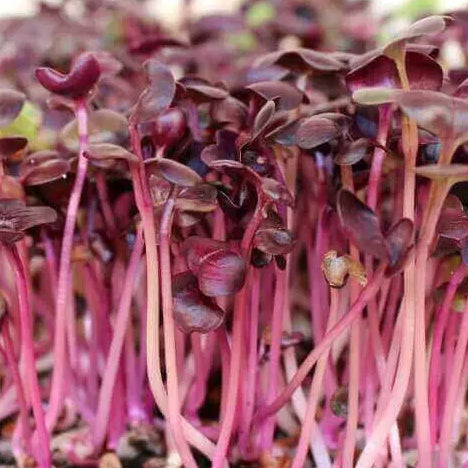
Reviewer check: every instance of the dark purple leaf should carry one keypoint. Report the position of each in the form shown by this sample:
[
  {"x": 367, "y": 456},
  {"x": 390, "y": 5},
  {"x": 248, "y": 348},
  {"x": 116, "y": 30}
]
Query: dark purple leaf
[
  {"x": 301, "y": 60},
  {"x": 16, "y": 217},
  {"x": 361, "y": 225},
  {"x": 222, "y": 273},
  {"x": 9, "y": 146},
  {"x": 169, "y": 127},
  {"x": 193, "y": 311},
  {"x": 400, "y": 242},
  {"x": 263, "y": 118},
  {"x": 109, "y": 151},
  {"x": 202, "y": 91},
  {"x": 277, "y": 191},
  {"x": 354, "y": 152},
  {"x": 83, "y": 75},
  {"x": 160, "y": 90},
  {"x": 315, "y": 131},
  {"x": 201, "y": 198},
  {"x": 44, "y": 172},
  {"x": 229, "y": 110},
  {"x": 175, "y": 172},
  {"x": 288, "y": 97},
  {"x": 196, "y": 249},
  {"x": 275, "y": 241},
  {"x": 153, "y": 43}
]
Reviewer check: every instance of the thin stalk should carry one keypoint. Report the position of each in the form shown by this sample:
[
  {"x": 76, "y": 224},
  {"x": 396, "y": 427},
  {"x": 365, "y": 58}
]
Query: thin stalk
[
  {"x": 355, "y": 339},
  {"x": 227, "y": 422},
  {"x": 274, "y": 356},
  {"x": 252, "y": 358},
  {"x": 315, "y": 390},
  {"x": 58, "y": 377},
  {"x": 153, "y": 358},
  {"x": 20, "y": 396},
  {"x": 173, "y": 405},
  {"x": 367, "y": 293},
  {"x": 452, "y": 391},
  {"x": 435, "y": 360},
  {"x": 42, "y": 449},
  {"x": 115, "y": 351}
]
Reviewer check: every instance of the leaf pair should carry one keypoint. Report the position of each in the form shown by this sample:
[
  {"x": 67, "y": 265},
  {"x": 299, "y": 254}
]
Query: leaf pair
[{"x": 361, "y": 225}]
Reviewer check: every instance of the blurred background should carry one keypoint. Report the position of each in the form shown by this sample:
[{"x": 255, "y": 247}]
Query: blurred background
[{"x": 169, "y": 11}]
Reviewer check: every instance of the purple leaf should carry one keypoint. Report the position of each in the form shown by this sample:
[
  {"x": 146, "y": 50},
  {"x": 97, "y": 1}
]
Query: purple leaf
[
  {"x": 314, "y": 131},
  {"x": 361, "y": 225},
  {"x": 288, "y": 96},
  {"x": 83, "y": 75},
  {"x": 222, "y": 273},
  {"x": 193, "y": 311},
  {"x": 400, "y": 242}
]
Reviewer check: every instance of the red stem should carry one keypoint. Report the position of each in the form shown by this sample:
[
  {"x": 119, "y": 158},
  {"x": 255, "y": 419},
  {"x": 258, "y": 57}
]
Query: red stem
[
  {"x": 42, "y": 449},
  {"x": 58, "y": 377}
]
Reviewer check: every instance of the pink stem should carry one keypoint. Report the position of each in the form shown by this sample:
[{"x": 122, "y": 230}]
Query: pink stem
[
  {"x": 227, "y": 422},
  {"x": 452, "y": 391},
  {"x": 251, "y": 374},
  {"x": 42, "y": 450},
  {"x": 435, "y": 361},
  {"x": 23, "y": 406},
  {"x": 275, "y": 352},
  {"x": 365, "y": 295},
  {"x": 58, "y": 377},
  {"x": 173, "y": 405},
  {"x": 315, "y": 390},
  {"x": 115, "y": 351}
]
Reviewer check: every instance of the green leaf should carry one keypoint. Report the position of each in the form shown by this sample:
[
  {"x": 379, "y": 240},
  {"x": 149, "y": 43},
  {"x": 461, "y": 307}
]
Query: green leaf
[
  {"x": 260, "y": 13},
  {"x": 26, "y": 124}
]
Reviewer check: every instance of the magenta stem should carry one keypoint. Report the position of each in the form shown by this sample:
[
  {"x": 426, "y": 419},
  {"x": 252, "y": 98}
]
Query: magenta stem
[
  {"x": 58, "y": 377},
  {"x": 23, "y": 406},
  {"x": 227, "y": 422},
  {"x": 367, "y": 293},
  {"x": 251, "y": 374},
  {"x": 453, "y": 389},
  {"x": 173, "y": 404},
  {"x": 115, "y": 351},
  {"x": 435, "y": 370},
  {"x": 315, "y": 390},
  {"x": 42, "y": 450}
]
